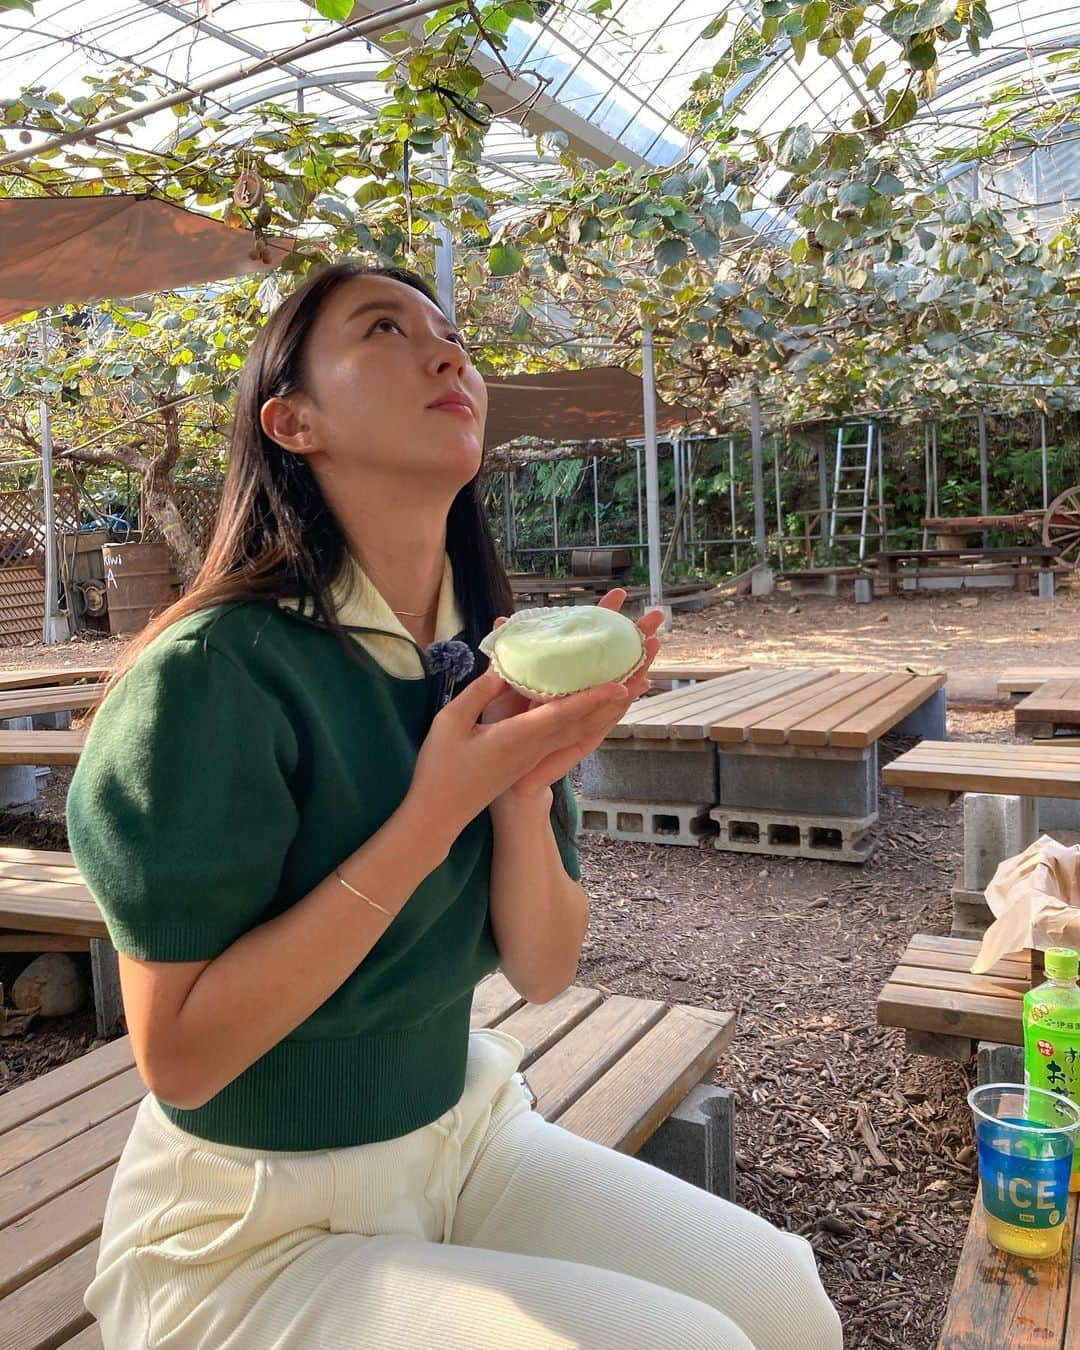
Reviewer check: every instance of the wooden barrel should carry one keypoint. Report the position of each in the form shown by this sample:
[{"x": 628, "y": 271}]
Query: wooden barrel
[
  {"x": 599, "y": 562},
  {"x": 140, "y": 581}
]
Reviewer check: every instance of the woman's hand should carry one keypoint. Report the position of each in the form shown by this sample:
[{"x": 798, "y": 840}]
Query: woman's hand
[{"x": 511, "y": 704}]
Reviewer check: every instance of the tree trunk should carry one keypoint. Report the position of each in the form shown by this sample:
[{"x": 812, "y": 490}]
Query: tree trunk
[{"x": 160, "y": 503}]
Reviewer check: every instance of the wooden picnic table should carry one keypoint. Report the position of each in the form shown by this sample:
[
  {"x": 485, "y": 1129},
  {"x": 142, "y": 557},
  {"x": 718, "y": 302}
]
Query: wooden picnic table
[
  {"x": 686, "y": 672},
  {"x": 895, "y": 564},
  {"x": 609, "y": 1069},
  {"x": 784, "y": 708},
  {"x": 1053, "y": 707},
  {"x": 935, "y": 773}
]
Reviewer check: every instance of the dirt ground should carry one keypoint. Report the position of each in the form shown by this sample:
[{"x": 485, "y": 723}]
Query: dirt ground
[{"x": 841, "y": 1136}]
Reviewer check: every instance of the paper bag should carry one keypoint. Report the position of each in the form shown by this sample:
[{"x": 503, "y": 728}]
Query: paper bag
[{"x": 1035, "y": 900}]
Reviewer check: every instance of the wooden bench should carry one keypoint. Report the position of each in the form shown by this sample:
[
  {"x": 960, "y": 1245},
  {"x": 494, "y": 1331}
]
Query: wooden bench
[
  {"x": 613, "y": 1070},
  {"x": 1002, "y": 1302},
  {"x": 45, "y": 905},
  {"x": 54, "y": 675},
  {"x": 1026, "y": 679},
  {"x": 896, "y": 565},
  {"x": 1052, "y": 708},
  {"x": 669, "y": 674},
  {"x": 944, "y": 1009},
  {"x": 935, "y": 773},
  {"x": 780, "y": 761}
]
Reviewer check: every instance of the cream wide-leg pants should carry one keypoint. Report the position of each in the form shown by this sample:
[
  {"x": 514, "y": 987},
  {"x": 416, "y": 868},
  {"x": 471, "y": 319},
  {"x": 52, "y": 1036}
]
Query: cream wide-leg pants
[{"x": 488, "y": 1229}]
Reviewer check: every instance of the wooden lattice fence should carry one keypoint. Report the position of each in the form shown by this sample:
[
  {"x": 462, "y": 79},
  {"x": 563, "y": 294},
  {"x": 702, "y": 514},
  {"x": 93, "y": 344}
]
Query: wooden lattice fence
[
  {"x": 198, "y": 506},
  {"x": 22, "y": 524}
]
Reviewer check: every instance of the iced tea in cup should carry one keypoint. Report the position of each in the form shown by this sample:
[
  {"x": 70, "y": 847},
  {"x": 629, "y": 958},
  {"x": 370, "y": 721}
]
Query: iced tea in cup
[{"x": 1026, "y": 1138}]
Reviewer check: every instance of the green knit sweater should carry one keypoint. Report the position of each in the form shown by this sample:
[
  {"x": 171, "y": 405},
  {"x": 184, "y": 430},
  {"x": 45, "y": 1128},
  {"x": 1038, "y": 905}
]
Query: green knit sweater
[{"x": 242, "y": 758}]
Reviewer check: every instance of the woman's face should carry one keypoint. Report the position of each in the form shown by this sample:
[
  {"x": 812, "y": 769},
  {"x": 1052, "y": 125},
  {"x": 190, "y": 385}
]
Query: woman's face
[{"x": 389, "y": 388}]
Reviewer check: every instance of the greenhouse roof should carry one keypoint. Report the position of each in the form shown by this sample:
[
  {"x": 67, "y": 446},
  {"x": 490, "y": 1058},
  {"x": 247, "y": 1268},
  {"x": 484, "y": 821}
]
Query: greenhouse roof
[{"x": 613, "y": 86}]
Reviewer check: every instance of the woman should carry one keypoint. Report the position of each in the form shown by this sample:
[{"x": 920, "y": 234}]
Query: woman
[{"x": 306, "y": 864}]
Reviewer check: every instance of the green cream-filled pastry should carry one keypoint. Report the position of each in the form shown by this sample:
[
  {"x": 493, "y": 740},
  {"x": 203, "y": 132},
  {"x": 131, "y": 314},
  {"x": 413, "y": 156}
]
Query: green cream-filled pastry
[{"x": 548, "y": 653}]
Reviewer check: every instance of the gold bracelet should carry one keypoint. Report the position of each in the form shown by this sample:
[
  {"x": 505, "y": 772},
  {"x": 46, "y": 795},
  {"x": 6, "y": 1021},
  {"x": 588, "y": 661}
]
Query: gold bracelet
[{"x": 373, "y": 903}]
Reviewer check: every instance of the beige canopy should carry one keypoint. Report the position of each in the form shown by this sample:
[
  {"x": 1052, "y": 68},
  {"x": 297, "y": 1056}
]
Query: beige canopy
[
  {"x": 600, "y": 404},
  {"x": 66, "y": 250}
]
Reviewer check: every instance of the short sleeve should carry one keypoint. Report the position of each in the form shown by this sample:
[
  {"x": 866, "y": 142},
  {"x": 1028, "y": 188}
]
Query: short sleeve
[
  {"x": 567, "y": 843},
  {"x": 180, "y": 812}
]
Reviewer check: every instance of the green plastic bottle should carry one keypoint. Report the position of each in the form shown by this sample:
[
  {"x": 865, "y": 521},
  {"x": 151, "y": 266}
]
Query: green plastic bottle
[{"x": 1052, "y": 1033}]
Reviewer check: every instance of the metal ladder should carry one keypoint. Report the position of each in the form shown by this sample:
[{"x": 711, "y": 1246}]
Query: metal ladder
[{"x": 850, "y": 497}]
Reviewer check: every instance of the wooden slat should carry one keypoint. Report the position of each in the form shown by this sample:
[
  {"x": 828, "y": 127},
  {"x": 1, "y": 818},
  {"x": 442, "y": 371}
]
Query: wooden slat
[
  {"x": 27, "y": 702},
  {"x": 495, "y": 998},
  {"x": 61, "y": 1085},
  {"x": 41, "y": 747},
  {"x": 685, "y": 670},
  {"x": 44, "y": 1178},
  {"x": 49, "y": 1310},
  {"x": 624, "y": 1108},
  {"x": 1000, "y": 1301},
  {"x": 571, "y": 1066},
  {"x": 949, "y": 1014},
  {"x": 44, "y": 857},
  {"x": 42, "y": 942},
  {"x": 539, "y": 1025},
  {"x": 865, "y": 727},
  {"x": 71, "y": 1118},
  {"x": 772, "y": 724},
  {"x": 36, "y": 913},
  {"x": 1055, "y": 697},
  {"x": 45, "y": 1236},
  {"x": 65, "y": 873},
  {"x": 819, "y": 729},
  {"x": 961, "y": 982},
  {"x": 923, "y": 950},
  {"x": 34, "y": 679}
]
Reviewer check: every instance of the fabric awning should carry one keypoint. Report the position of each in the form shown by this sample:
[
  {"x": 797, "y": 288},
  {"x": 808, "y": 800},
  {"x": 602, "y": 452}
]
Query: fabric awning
[
  {"x": 70, "y": 250},
  {"x": 601, "y": 403}
]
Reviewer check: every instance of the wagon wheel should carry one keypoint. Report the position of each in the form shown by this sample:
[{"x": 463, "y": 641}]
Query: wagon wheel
[{"x": 1061, "y": 527}]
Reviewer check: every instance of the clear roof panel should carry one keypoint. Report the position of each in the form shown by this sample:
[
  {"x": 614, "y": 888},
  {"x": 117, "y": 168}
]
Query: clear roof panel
[{"x": 623, "y": 78}]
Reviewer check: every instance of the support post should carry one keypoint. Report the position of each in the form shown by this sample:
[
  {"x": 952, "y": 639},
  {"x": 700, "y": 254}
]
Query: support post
[
  {"x": 444, "y": 242},
  {"x": 1045, "y": 475},
  {"x": 652, "y": 474},
  {"x": 731, "y": 496},
  {"x": 764, "y": 584},
  {"x": 508, "y": 512},
  {"x": 595, "y": 502},
  {"x": 54, "y": 627},
  {"x": 984, "y": 485}
]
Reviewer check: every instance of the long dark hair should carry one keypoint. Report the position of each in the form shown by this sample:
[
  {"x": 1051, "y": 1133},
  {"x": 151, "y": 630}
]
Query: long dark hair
[{"x": 275, "y": 535}]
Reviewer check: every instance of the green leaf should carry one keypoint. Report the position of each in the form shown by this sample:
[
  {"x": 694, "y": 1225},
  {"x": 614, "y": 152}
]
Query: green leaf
[
  {"x": 830, "y": 233},
  {"x": 933, "y": 13},
  {"x": 338, "y": 10},
  {"x": 669, "y": 253},
  {"x": 714, "y": 26},
  {"x": 17, "y": 4},
  {"x": 888, "y": 185},
  {"x": 815, "y": 17},
  {"x": 854, "y": 196},
  {"x": 923, "y": 56},
  {"x": 829, "y": 45},
  {"x": 504, "y": 260},
  {"x": 706, "y": 244},
  {"x": 941, "y": 342},
  {"x": 862, "y": 49},
  {"x": 899, "y": 108},
  {"x": 875, "y": 75}
]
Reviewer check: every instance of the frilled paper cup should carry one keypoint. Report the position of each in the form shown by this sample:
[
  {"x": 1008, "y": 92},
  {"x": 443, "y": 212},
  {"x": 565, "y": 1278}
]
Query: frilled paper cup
[{"x": 549, "y": 653}]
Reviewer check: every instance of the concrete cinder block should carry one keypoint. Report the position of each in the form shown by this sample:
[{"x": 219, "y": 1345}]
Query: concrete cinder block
[
  {"x": 971, "y": 913},
  {"x": 651, "y": 775},
  {"x": 864, "y": 590},
  {"x": 996, "y": 826},
  {"x": 697, "y": 1141},
  {"x": 762, "y": 581},
  {"x": 1046, "y": 584},
  {"x": 838, "y": 787},
  {"x": 999, "y": 1063},
  {"x": 825, "y": 585},
  {"x": 647, "y": 822},
  {"x": 1058, "y": 813},
  {"x": 927, "y": 721},
  {"x": 52, "y": 721},
  {"x": 794, "y": 834}
]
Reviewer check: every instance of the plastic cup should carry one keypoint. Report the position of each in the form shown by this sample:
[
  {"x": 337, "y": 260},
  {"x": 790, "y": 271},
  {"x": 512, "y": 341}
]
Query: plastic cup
[{"x": 1026, "y": 1138}]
